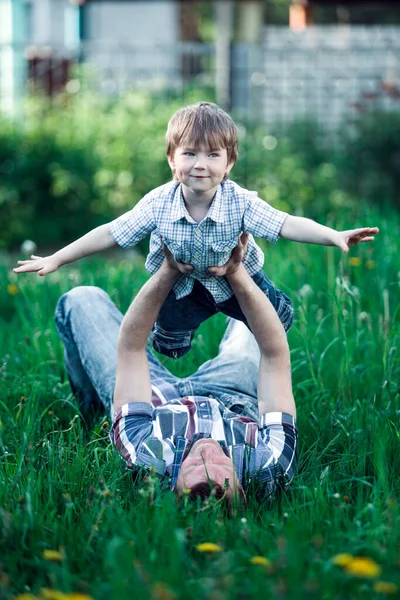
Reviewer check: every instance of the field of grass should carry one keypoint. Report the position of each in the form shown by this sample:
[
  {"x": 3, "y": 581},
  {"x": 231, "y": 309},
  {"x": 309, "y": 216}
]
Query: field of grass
[{"x": 63, "y": 489}]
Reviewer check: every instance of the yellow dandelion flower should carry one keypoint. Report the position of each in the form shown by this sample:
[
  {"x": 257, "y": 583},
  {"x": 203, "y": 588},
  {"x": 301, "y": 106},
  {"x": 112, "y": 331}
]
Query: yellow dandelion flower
[
  {"x": 370, "y": 264},
  {"x": 186, "y": 491},
  {"x": 25, "y": 597},
  {"x": 342, "y": 560},
  {"x": 48, "y": 594},
  {"x": 208, "y": 547},
  {"x": 52, "y": 555},
  {"x": 12, "y": 289},
  {"x": 385, "y": 587},
  {"x": 260, "y": 560},
  {"x": 354, "y": 261},
  {"x": 362, "y": 566}
]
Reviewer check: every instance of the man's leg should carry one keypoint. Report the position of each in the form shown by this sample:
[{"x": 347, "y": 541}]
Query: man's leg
[
  {"x": 88, "y": 323},
  {"x": 232, "y": 376}
]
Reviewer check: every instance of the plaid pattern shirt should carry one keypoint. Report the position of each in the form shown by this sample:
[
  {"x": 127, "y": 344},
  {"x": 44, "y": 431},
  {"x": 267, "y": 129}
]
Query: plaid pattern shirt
[
  {"x": 162, "y": 212},
  {"x": 160, "y": 436}
]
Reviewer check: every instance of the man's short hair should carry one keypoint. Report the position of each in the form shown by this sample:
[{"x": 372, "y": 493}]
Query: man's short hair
[
  {"x": 205, "y": 489},
  {"x": 202, "y": 124}
]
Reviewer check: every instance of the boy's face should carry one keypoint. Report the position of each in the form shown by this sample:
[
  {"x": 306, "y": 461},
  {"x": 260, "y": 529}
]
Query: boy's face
[{"x": 200, "y": 170}]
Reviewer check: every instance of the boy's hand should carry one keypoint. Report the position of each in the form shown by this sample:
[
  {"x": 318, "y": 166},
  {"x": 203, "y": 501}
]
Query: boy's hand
[
  {"x": 352, "y": 237},
  {"x": 235, "y": 260},
  {"x": 183, "y": 268},
  {"x": 43, "y": 266}
]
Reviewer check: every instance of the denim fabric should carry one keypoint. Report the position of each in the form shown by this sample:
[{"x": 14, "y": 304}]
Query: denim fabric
[
  {"x": 178, "y": 319},
  {"x": 88, "y": 324}
]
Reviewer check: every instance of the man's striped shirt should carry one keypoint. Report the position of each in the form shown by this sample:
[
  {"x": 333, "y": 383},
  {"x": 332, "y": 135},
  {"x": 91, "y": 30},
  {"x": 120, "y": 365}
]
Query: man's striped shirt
[
  {"x": 160, "y": 435},
  {"x": 162, "y": 212}
]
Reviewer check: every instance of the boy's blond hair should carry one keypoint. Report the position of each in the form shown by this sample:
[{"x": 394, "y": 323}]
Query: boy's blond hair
[{"x": 201, "y": 124}]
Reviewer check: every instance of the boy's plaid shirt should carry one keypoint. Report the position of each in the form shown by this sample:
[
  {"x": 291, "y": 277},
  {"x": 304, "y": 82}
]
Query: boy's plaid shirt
[
  {"x": 162, "y": 212},
  {"x": 160, "y": 436}
]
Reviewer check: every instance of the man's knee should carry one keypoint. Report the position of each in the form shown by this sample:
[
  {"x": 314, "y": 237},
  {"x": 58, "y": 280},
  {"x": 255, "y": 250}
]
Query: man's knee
[{"x": 77, "y": 297}]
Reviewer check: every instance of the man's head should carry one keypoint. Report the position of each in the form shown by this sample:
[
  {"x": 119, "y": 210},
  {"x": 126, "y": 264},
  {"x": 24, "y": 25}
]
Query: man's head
[
  {"x": 207, "y": 468},
  {"x": 202, "y": 125}
]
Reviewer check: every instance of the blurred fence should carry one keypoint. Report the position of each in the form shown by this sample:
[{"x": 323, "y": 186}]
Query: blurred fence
[{"x": 323, "y": 72}]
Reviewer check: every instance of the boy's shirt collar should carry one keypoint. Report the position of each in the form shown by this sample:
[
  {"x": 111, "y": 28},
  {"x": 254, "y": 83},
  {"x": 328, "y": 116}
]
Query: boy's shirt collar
[{"x": 215, "y": 212}]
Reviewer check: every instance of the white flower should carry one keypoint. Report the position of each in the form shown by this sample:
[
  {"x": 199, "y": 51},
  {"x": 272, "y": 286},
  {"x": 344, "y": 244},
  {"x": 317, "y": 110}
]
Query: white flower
[
  {"x": 28, "y": 247},
  {"x": 363, "y": 316},
  {"x": 305, "y": 290}
]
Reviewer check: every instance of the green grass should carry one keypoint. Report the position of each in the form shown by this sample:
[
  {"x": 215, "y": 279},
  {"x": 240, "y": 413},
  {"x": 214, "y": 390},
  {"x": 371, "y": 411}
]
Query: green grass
[{"x": 62, "y": 485}]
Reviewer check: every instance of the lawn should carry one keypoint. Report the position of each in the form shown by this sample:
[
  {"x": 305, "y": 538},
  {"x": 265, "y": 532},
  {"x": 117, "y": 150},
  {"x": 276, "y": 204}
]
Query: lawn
[{"x": 63, "y": 488}]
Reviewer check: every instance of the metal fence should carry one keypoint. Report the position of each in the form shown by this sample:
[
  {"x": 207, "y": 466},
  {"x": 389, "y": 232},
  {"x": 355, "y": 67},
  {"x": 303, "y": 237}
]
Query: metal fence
[{"x": 324, "y": 73}]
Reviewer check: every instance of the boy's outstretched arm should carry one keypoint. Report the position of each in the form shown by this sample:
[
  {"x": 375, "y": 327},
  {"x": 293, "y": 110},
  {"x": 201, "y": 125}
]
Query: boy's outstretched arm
[
  {"x": 95, "y": 241},
  {"x": 300, "y": 229}
]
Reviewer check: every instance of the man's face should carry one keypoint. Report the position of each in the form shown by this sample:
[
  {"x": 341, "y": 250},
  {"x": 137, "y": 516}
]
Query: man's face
[
  {"x": 207, "y": 461},
  {"x": 200, "y": 170}
]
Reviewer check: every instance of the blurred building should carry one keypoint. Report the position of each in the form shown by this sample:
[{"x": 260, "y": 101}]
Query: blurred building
[{"x": 307, "y": 58}]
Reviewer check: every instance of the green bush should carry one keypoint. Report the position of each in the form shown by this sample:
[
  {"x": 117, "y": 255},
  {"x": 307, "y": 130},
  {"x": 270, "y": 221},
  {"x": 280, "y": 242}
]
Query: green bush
[
  {"x": 82, "y": 160},
  {"x": 370, "y": 160}
]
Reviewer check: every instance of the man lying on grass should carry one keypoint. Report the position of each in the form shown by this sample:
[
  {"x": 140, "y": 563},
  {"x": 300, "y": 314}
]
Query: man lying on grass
[{"x": 231, "y": 422}]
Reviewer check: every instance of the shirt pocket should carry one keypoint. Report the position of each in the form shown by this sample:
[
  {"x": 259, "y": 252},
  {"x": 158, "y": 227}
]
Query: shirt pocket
[
  {"x": 180, "y": 251},
  {"x": 221, "y": 251}
]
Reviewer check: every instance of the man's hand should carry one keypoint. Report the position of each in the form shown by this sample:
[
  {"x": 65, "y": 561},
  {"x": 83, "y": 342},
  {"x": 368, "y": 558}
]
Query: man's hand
[
  {"x": 43, "y": 266},
  {"x": 346, "y": 239},
  {"x": 237, "y": 255},
  {"x": 183, "y": 268}
]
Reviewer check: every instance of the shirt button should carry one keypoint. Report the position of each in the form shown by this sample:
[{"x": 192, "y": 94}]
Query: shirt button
[{"x": 198, "y": 232}]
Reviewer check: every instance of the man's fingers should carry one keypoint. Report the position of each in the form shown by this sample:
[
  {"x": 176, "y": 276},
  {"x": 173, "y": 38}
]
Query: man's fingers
[
  {"x": 185, "y": 268},
  {"x": 217, "y": 271}
]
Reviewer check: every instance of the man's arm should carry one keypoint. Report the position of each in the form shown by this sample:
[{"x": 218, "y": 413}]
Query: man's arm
[
  {"x": 300, "y": 229},
  {"x": 95, "y": 241},
  {"x": 133, "y": 375},
  {"x": 274, "y": 379}
]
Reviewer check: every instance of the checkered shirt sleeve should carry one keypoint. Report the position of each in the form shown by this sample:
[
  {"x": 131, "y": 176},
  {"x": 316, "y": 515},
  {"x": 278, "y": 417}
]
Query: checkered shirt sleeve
[
  {"x": 274, "y": 461},
  {"x": 131, "y": 227},
  {"x": 262, "y": 220}
]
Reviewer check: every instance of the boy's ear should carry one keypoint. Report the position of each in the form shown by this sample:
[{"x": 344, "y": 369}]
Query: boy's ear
[
  {"x": 229, "y": 167},
  {"x": 171, "y": 162}
]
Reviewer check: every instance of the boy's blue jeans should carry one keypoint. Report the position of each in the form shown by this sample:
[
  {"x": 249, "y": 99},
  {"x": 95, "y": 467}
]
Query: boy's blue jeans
[{"x": 178, "y": 319}]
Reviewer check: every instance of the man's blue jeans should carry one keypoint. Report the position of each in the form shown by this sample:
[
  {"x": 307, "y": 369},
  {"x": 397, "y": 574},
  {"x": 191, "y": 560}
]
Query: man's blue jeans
[
  {"x": 178, "y": 319},
  {"x": 88, "y": 324}
]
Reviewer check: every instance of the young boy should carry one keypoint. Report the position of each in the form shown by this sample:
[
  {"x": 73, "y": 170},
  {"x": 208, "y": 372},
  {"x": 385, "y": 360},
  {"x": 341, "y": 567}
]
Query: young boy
[{"x": 199, "y": 216}]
